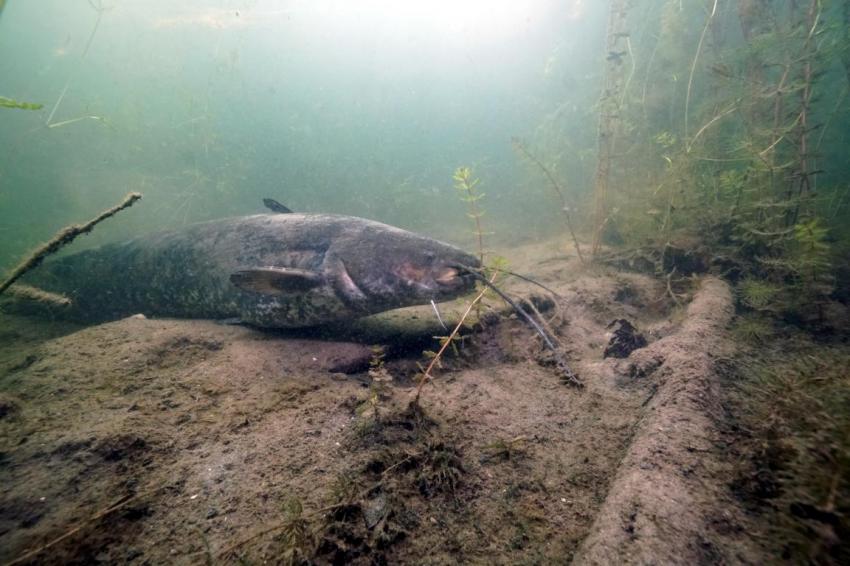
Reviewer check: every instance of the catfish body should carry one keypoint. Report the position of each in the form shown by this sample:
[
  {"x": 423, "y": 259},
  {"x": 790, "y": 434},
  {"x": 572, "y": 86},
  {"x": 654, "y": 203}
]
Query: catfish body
[{"x": 269, "y": 270}]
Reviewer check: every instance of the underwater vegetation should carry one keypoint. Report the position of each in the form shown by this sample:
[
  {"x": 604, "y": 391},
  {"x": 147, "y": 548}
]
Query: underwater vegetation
[
  {"x": 718, "y": 142},
  {"x": 706, "y": 138},
  {"x": 10, "y": 103},
  {"x": 719, "y": 149},
  {"x": 720, "y": 146}
]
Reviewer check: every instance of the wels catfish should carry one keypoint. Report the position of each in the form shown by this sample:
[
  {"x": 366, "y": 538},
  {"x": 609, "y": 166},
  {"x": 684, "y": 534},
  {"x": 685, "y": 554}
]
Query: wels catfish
[{"x": 283, "y": 270}]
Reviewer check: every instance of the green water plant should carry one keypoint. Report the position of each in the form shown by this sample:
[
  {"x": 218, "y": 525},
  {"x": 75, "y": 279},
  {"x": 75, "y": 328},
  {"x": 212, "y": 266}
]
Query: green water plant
[
  {"x": 611, "y": 100},
  {"x": 296, "y": 534},
  {"x": 758, "y": 294},
  {"x": 371, "y": 410},
  {"x": 440, "y": 469},
  {"x": 467, "y": 185},
  {"x": 794, "y": 397},
  {"x": 11, "y": 103},
  {"x": 753, "y": 329}
]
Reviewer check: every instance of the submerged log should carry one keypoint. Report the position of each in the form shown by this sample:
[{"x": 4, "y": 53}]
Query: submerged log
[{"x": 656, "y": 509}]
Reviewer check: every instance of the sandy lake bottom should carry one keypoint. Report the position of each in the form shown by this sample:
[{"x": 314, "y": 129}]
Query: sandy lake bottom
[{"x": 150, "y": 441}]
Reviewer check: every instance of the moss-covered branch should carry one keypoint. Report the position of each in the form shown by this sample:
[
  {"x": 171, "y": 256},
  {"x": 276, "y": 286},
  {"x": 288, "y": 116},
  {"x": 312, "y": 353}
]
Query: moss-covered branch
[
  {"x": 37, "y": 295},
  {"x": 63, "y": 238}
]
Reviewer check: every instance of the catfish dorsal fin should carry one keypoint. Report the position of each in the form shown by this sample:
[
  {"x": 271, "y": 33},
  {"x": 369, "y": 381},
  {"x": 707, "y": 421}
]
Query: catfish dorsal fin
[
  {"x": 275, "y": 206},
  {"x": 276, "y": 280}
]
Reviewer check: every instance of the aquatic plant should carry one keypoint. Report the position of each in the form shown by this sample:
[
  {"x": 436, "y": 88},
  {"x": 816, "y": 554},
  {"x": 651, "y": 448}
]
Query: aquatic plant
[
  {"x": 794, "y": 397},
  {"x": 370, "y": 410},
  {"x": 120, "y": 504},
  {"x": 758, "y": 294},
  {"x": 726, "y": 155},
  {"x": 753, "y": 329},
  {"x": 297, "y": 539},
  {"x": 467, "y": 185},
  {"x": 411, "y": 456},
  {"x": 439, "y": 470},
  {"x": 10, "y": 103},
  {"x": 811, "y": 249},
  {"x": 452, "y": 341},
  {"x": 719, "y": 155},
  {"x": 612, "y": 97}
]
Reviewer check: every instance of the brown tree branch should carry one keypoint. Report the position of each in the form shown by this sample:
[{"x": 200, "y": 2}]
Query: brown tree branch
[{"x": 62, "y": 238}]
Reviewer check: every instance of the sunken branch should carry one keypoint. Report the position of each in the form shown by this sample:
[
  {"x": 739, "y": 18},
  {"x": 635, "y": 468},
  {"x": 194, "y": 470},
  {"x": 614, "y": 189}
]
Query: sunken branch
[
  {"x": 64, "y": 237},
  {"x": 34, "y": 294}
]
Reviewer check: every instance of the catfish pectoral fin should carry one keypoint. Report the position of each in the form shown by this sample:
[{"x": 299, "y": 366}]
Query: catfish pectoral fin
[{"x": 276, "y": 280}]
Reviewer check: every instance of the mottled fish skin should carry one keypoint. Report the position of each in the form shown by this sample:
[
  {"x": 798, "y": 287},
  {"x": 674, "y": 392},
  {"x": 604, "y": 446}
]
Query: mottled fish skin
[{"x": 364, "y": 267}]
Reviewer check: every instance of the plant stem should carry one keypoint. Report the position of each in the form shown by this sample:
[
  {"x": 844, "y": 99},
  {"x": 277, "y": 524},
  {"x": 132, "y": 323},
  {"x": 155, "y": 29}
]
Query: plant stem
[
  {"x": 426, "y": 375},
  {"x": 694, "y": 65},
  {"x": 609, "y": 118},
  {"x": 521, "y": 147}
]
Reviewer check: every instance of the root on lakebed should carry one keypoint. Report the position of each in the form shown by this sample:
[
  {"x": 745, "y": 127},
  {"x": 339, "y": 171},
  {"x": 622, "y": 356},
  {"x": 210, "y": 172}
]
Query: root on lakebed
[{"x": 659, "y": 505}]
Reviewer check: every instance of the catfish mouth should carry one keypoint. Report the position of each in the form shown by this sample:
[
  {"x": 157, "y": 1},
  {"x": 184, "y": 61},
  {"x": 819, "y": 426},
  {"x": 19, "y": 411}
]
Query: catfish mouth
[
  {"x": 454, "y": 277},
  {"x": 441, "y": 281},
  {"x": 448, "y": 277}
]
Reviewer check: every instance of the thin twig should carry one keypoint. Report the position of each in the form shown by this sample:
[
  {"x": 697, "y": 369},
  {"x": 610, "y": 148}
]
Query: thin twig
[
  {"x": 646, "y": 76},
  {"x": 75, "y": 120},
  {"x": 670, "y": 288},
  {"x": 426, "y": 375},
  {"x": 631, "y": 73},
  {"x": 557, "y": 187},
  {"x": 100, "y": 10},
  {"x": 119, "y": 504},
  {"x": 694, "y": 65},
  {"x": 690, "y": 144}
]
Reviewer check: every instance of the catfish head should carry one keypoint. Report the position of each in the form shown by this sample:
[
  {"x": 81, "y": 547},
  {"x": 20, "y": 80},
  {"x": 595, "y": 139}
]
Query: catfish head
[
  {"x": 393, "y": 268},
  {"x": 364, "y": 267}
]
